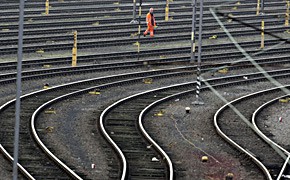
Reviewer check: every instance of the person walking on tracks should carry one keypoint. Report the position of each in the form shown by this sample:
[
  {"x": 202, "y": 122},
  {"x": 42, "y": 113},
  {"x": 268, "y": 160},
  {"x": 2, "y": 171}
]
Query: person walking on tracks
[{"x": 151, "y": 23}]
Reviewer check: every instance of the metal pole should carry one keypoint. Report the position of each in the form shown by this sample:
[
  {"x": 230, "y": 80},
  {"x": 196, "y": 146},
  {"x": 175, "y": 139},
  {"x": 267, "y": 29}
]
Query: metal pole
[
  {"x": 192, "y": 53},
  {"x": 139, "y": 28},
  {"x": 47, "y": 7},
  {"x": 18, "y": 91},
  {"x": 134, "y": 13},
  {"x": 258, "y": 7},
  {"x": 262, "y": 6},
  {"x": 287, "y": 14},
  {"x": 198, "y": 73},
  {"x": 167, "y": 10}
]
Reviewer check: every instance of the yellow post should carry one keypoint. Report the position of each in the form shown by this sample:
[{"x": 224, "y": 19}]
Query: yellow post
[
  {"x": 287, "y": 14},
  {"x": 74, "y": 50},
  {"x": 262, "y": 34},
  {"x": 258, "y": 7},
  {"x": 47, "y": 7},
  {"x": 167, "y": 10}
]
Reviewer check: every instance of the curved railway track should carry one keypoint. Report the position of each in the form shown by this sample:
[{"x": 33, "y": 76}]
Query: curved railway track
[
  {"x": 111, "y": 122},
  {"x": 260, "y": 128},
  {"x": 115, "y": 125},
  {"x": 30, "y": 155},
  {"x": 239, "y": 131}
]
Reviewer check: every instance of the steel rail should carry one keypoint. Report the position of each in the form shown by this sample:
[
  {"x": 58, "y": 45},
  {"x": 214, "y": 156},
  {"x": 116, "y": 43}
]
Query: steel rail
[
  {"x": 114, "y": 42},
  {"x": 259, "y": 132},
  {"x": 74, "y": 7},
  {"x": 273, "y": 145},
  {"x": 65, "y": 29},
  {"x": 132, "y": 54},
  {"x": 89, "y": 12},
  {"x": 69, "y": 84},
  {"x": 75, "y": 83},
  {"x": 116, "y": 34},
  {"x": 125, "y": 99},
  {"x": 92, "y": 68},
  {"x": 11, "y": 159},
  {"x": 182, "y": 19}
]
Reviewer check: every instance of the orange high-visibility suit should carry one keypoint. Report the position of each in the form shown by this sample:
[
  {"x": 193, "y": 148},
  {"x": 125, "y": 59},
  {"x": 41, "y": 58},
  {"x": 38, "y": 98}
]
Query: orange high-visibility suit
[{"x": 150, "y": 20}]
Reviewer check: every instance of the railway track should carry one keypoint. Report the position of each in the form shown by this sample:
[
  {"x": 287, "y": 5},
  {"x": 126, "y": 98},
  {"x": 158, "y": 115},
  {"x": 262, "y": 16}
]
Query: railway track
[
  {"x": 48, "y": 95},
  {"x": 133, "y": 168},
  {"x": 124, "y": 125},
  {"x": 30, "y": 155},
  {"x": 238, "y": 29},
  {"x": 261, "y": 130},
  {"x": 113, "y": 14},
  {"x": 239, "y": 131}
]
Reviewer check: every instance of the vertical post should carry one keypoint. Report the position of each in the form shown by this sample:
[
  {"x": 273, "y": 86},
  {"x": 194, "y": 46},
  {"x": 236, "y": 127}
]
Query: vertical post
[
  {"x": 134, "y": 12},
  {"x": 287, "y": 14},
  {"x": 258, "y": 7},
  {"x": 47, "y": 7},
  {"x": 192, "y": 53},
  {"x": 139, "y": 28},
  {"x": 74, "y": 50},
  {"x": 19, "y": 89},
  {"x": 198, "y": 73},
  {"x": 262, "y": 6},
  {"x": 167, "y": 10},
  {"x": 262, "y": 34}
]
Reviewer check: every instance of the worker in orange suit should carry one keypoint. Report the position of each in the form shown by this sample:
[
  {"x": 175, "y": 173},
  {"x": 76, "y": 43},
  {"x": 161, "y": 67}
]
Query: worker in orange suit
[{"x": 151, "y": 23}]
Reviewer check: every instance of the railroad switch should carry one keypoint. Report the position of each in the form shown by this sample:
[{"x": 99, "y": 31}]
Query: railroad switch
[
  {"x": 160, "y": 113},
  {"x": 95, "y": 92},
  {"x": 230, "y": 176},
  {"x": 40, "y": 51},
  {"x": 148, "y": 81},
  {"x": 116, "y": 3},
  {"x": 223, "y": 71},
  {"x": 47, "y": 66},
  {"x": 50, "y": 111},
  {"x": 46, "y": 86},
  {"x": 117, "y": 9},
  {"x": 49, "y": 129},
  {"x": 284, "y": 100},
  {"x": 204, "y": 158},
  {"x": 213, "y": 37},
  {"x": 5, "y": 30}
]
